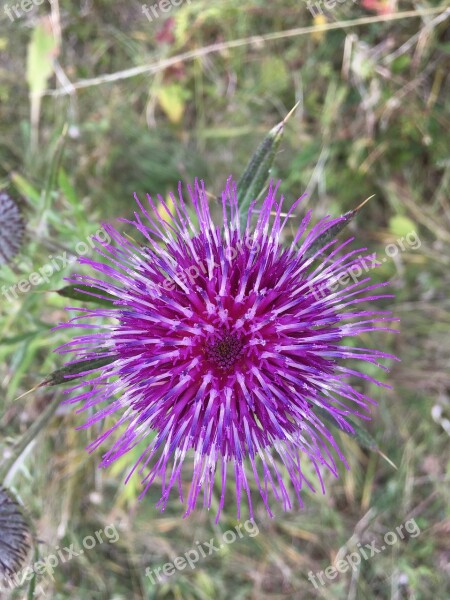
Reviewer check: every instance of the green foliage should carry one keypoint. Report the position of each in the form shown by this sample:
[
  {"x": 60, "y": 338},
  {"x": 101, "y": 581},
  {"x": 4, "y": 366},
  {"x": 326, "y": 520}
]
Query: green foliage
[{"x": 40, "y": 59}]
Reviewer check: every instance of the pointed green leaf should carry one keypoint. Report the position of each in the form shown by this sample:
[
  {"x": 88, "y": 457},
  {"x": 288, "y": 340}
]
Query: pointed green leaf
[
  {"x": 333, "y": 231},
  {"x": 84, "y": 294},
  {"x": 25, "y": 188},
  {"x": 362, "y": 436},
  {"x": 359, "y": 434},
  {"x": 256, "y": 175},
  {"x": 69, "y": 372}
]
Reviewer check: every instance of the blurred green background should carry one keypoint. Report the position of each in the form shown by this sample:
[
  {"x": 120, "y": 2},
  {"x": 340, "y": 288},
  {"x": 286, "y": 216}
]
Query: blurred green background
[{"x": 98, "y": 102}]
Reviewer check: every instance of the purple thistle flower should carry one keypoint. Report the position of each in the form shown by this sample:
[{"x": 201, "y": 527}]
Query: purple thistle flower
[{"x": 224, "y": 346}]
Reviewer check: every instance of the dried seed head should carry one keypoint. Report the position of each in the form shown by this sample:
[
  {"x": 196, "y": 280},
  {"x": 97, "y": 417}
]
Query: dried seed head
[
  {"x": 11, "y": 228},
  {"x": 15, "y": 536}
]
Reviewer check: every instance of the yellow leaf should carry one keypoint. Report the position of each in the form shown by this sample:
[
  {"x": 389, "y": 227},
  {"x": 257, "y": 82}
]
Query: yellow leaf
[
  {"x": 171, "y": 99},
  {"x": 41, "y": 51},
  {"x": 400, "y": 225},
  {"x": 319, "y": 20}
]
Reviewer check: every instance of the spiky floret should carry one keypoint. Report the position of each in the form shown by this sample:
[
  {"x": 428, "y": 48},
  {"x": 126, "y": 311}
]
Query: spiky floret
[
  {"x": 11, "y": 228},
  {"x": 15, "y": 539},
  {"x": 223, "y": 345}
]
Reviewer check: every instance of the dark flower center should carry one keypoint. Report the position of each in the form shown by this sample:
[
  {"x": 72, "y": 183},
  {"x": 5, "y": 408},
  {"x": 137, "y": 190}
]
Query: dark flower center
[{"x": 225, "y": 351}]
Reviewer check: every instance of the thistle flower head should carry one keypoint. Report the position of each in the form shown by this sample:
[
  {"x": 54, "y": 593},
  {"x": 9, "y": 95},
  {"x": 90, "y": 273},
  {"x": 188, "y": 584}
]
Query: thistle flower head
[
  {"x": 225, "y": 347},
  {"x": 11, "y": 228},
  {"x": 15, "y": 537}
]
